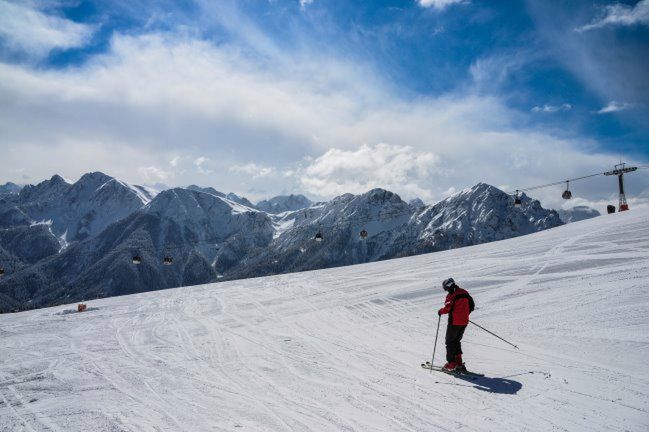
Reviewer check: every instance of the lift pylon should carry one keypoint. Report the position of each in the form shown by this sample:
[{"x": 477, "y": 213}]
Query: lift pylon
[{"x": 619, "y": 171}]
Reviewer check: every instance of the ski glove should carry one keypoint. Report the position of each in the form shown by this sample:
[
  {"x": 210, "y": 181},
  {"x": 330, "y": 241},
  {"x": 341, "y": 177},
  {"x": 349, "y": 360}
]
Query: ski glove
[{"x": 439, "y": 312}]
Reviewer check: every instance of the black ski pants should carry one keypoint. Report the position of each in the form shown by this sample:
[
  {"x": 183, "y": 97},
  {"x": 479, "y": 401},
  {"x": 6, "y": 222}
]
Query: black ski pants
[{"x": 454, "y": 335}]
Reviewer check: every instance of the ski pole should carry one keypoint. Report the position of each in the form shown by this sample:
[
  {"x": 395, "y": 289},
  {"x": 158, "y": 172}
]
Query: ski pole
[
  {"x": 493, "y": 334},
  {"x": 432, "y": 360}
]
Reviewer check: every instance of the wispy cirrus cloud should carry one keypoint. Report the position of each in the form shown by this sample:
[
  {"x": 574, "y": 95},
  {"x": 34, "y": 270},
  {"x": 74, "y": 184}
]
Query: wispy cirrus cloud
[
  {"x": 153, "y": 174},
  {"x": 614, "y": 106},
  {"x": 620, "y": 15},
  {"x": 305, "y": 3},
  {"x": 551, "y": 108},
  {"x": 27, "y": 30},
  {"x": 610, "y": 65},
  {"x": 439, "y": 4},
  {"x": 200, "y": 164}
]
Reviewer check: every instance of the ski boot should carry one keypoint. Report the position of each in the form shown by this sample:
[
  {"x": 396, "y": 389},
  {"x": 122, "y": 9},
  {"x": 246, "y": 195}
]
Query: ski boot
[
  {"x": 459, "y": 365},
  {"x": 449, "y": 367}
]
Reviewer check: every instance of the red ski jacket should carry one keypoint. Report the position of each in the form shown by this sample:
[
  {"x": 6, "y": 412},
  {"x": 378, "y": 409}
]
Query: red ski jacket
[{"x": 458, "y": 305}]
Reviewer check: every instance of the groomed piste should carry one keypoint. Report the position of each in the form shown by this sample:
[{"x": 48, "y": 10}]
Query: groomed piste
[{"x": 340, "y": 349}]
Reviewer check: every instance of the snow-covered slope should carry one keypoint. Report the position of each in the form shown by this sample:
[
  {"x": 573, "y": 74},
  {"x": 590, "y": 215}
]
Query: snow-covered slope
[{"x": 339, "y": 350}]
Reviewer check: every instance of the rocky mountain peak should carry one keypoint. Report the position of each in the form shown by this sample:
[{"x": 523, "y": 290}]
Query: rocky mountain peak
[
  {"x": 284, "y": 203},
  {"x": 379, "y": 195},
  {"x": 9, "y": 188},
  {"x": 57, "y": 179},
  {"x": 96, "y": 177},
  {"x": 44, "y": 190}
]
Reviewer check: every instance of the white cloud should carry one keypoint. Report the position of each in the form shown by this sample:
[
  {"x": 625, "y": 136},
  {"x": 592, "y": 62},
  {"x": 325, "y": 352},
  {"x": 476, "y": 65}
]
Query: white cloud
[
  {"x": 449, "y": 192},
  {"x": 199, "y": 163},
  {"x": 25, "y": 29},
  {"x": 386, "y": 166},
  {"x": 552, "y": 108},
  {"x": 252, "y": 169},
  {"x": 154, "y": 174},
  {"x": 143, "y": 103},
  {"x": 490, "y": 73},
  {"x": 614, "y": 106},
  {"x": 621, "y": 15},
  {"x": 438, "y": 4},
  {"x": 305, "y": 3}
]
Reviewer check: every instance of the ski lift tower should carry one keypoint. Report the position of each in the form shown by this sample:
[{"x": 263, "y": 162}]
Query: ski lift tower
[{"x": 619, "y": 171}]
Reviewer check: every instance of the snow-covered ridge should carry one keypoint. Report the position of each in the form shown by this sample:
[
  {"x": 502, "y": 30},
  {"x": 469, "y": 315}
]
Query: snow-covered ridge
[
  {"x": 231, "y": 197},
  {"x": 81, "y": 209},
  {"x": 340, "y": 349},
  {"x": 210, "y": 237},
  {"x": 144, "y": 194}
]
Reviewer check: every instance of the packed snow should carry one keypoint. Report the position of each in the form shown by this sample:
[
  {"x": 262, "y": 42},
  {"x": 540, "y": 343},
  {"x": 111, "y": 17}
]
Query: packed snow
[{"x": 340, "y": 349}]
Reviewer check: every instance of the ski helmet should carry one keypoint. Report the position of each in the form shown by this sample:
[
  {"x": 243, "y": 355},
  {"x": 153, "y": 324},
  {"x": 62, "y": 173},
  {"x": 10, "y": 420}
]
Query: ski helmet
[{"x": 448, "y": 284}]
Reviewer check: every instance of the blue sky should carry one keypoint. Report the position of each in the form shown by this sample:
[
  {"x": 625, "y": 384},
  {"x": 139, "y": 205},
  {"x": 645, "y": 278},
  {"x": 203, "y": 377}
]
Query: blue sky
[{"x": 262, "y": 97}]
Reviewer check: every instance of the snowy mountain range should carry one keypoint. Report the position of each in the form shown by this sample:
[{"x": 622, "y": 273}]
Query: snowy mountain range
[
  {"x": 102, "y": 237},
  {"x": 394, "y": 228}
]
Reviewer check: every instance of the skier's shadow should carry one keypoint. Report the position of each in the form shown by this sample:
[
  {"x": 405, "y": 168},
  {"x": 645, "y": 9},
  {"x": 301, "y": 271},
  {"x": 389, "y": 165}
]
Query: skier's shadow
[{"x": 493, "y": 385}]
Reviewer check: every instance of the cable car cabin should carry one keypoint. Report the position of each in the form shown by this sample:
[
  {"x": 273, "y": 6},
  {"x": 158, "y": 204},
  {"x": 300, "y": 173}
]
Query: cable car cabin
[
  {"x": 363, "y": 234},
  {"x": 610, "y": 209},
  {"x": 517, "y": 202},
  {"x": 567, "y": 194},
  {"x": 167, "y": 261},
  {"x": 137, "y": 260},
  {"x": 81, "y": 307},
  {"x": 318, "y": 237},
  {"x": 2, "y": 272}
]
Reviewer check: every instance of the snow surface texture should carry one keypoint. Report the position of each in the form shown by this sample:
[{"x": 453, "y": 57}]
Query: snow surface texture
[{"x": 339, "y": 349}]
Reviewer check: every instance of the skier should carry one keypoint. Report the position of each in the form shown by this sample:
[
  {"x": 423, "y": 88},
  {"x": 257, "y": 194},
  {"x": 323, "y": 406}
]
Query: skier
[{"x": 458, "y": 305}]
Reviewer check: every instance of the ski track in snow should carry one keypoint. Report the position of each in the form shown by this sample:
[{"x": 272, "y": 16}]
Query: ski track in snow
[{"x": 339, "y": 349}]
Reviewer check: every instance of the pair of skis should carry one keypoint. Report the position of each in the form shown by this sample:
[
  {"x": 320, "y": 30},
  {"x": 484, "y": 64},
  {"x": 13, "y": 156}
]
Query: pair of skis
[{"x": 472, "y": 375}]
